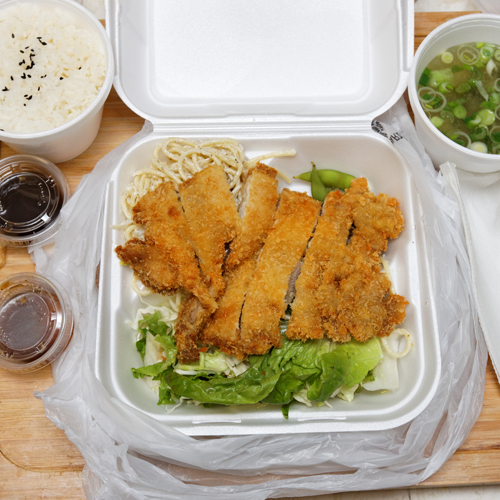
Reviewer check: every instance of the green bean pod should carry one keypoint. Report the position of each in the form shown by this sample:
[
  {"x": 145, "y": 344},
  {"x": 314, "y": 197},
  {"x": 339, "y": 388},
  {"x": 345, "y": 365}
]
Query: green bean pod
[
  {"x": 318, "y": 189},
  {"x": 330, "y": 178}
]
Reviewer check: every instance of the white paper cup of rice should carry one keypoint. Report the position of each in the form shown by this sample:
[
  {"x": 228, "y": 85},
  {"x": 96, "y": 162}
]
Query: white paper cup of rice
[{"x": 56, "y": 72}]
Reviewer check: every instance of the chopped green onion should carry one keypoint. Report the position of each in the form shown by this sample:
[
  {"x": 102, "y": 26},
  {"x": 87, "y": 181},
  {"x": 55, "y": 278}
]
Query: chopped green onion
[
  {"x": 476, "y": 74},
  {"x": 424, "y": 79},
  {"x": 456, "y": 68},
  {"x": 487, "y": 105},
  {"x": 447, "y": 114},
  {"x": 461, "y": 138},
  {"x": 475, "y": 119},
  {"x": 445, "y": 87},
  {"x": 467, "y": 67},
  {"x": 480, "y": 147},
  {"x": 487, "y": 117},
  {"x": 490, "y": 67},
  {"x": 437, "y": 121},
  {"x": 486, "y": 53},
  {"x": 447, "y": 57},
  {"x": 497, "y": 54},
  {"x": 494, "y": 98},
  {"x": 479, "y": 133},
  {"x": 437, "y": 77},
  {"x": 482, "y": 90},
  {"x": 495, "y": 137},
  {"x": 467, "y": 54},
  {"x": 463, "y": 88},
  {"x": 460, "y": 112}
]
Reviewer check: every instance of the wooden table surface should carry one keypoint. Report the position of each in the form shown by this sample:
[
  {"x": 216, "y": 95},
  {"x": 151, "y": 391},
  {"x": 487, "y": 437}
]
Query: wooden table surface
[{"x": 36, "y": 458}]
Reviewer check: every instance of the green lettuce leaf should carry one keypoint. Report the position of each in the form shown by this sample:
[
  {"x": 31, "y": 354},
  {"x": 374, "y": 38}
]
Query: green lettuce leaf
[
  {"x": 250, "y": 387},
  {"x": 150, "y": 370},
  {"x": 347, "y": 365},
  {"x": 154, "y": 324}
]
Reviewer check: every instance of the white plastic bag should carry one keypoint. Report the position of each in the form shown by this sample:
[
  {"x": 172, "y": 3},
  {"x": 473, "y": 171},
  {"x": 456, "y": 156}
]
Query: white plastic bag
[{"x": 130, "y": 455}]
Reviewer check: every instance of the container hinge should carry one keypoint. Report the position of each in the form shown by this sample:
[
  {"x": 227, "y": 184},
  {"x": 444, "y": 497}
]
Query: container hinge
[{"x": 279, "y": 126}]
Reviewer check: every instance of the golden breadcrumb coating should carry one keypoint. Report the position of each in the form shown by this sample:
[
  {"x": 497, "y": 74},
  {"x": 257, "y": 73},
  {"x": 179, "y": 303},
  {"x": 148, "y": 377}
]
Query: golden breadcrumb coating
[{"x": 284, "y": 247}]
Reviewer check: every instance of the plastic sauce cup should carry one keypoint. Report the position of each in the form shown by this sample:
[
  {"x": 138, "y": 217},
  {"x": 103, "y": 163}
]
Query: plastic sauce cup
[
  {"x": 36, "y": 322},
  {"x": 32, "y": 193}
]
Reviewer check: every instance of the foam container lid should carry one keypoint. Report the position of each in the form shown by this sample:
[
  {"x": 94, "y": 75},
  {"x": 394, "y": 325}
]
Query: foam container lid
[
  {"x": 309, "y": 76},
  {"x": 259, "y": 61}
]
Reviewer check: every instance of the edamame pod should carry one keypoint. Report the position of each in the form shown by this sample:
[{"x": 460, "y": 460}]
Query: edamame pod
[
  {"x": 330, "y": 178},
  {"x": 318, "y": 189}
]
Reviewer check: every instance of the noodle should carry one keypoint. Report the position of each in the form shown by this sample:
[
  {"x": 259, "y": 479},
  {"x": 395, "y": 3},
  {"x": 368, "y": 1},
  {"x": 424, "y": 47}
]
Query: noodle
[{"x": 177, "y": 159}]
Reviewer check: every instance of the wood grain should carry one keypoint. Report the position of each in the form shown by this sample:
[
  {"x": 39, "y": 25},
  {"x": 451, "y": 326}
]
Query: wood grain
[{"x": 36, "y": 458}]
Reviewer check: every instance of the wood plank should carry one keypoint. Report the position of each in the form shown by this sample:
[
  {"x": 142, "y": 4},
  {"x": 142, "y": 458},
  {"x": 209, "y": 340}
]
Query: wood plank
[{"x": 36, "y": 458}]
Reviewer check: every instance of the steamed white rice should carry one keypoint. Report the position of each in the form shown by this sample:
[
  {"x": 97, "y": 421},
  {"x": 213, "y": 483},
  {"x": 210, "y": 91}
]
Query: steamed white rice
[{"x": 68, "y": 71}]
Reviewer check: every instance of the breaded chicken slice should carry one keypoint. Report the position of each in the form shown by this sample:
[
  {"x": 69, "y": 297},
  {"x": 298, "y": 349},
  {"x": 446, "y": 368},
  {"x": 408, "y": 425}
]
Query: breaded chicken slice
[
  {"x": 328, "y": 244},
  {"x": 260, "y": 198},
  {"x": 213, "y": 220},
  {"x": 355, "y": 297},
  {"x": 191, "y": 319},
  {"x": 165, "y": 261},
  {"x": 284, "y": 247},
  {"x": 376, "y": 218},
  {"x": 149, "y": 266},
  {"x": 223, "y": 328}
]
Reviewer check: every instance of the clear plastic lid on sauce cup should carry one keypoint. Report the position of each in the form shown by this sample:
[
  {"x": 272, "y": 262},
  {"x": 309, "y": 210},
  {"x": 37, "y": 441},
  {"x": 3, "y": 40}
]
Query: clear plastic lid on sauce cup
[
  {"x": 32, "y": 192},
  {"x": 36, "y": 322}
]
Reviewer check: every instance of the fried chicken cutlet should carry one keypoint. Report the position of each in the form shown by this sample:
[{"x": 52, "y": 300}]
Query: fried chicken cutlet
[
  {"x": 326, "y": 248},
  {"x": 260, "y": 197},
  {"x": 355, "y": 296},
  {"x": 213, "y": 223},
  {"x": 165, "y": 260},
  {"x": 284, "y": 247},
  {"x": 213, "y": 220}
]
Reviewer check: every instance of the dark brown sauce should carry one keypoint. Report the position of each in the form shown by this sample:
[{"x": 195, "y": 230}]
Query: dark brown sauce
[
  {"x": 30, "y": 321},
  {"x": 29, "y": 202}
]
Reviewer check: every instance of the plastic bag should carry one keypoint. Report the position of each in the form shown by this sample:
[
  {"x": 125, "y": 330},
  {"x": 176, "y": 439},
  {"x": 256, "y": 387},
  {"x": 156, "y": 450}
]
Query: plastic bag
[{"x": 130, "y": 455}]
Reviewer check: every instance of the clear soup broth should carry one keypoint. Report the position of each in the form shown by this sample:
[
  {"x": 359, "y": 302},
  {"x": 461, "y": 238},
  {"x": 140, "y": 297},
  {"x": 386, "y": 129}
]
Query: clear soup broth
[{"x": 460, "y": 93}]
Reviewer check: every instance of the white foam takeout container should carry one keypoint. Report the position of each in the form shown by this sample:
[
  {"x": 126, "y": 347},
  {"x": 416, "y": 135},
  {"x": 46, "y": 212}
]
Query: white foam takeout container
[{"x": 274, "y": 75}]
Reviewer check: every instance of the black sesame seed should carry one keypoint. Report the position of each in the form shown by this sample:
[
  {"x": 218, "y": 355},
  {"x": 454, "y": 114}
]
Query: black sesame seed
[
  {"x": 2, "y": 129},
  {"x": 27, "y": 47},
  {"x": 22, "y": 51},
  {"x": 44, "y": 43},
  {"x": 5, "y": 89},
  {"x": 13, "y": 36},
  {"x": 80, "y": 67},
  {"x": 25, "y": 95},
  {"x": 12, "y": 78},
  {"x": 29, "y": 76},
  {"x": 30, "y": 97},
  {"x": 24, "y": 104},
  {"x": 61, "y": 78},
  {"x": 38, "y": 88}
]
